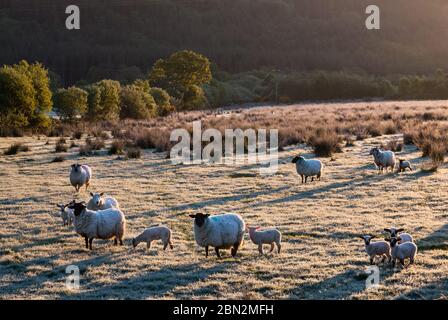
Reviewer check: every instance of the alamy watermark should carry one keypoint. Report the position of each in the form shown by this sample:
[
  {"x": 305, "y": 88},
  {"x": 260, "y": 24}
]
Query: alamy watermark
[
  {"x": 373, "y": 280},
  {"x": 249, "y": 146},
  {"x": 72, "y": 280}
]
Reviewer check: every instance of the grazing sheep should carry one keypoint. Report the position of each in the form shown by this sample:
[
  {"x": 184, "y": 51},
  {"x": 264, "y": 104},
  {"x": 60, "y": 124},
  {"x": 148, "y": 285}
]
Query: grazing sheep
[
  {"x": 403, "y": 165},
  {"x": 404, "y": 237},
  {"x": 80, "y": 175},
  {"x": 379, "y": 248},
  {"x": 66, "y": 214},
  {"x": 99, "y": 202},
  {"x": 103, "y": 224},
  {"x": 154, "y": 233},
  {"x": 220, "y": 231},
  {"x": 400, "y": 252},
  {"x": 383, "y": 159},
  {"x": 308, "y": 168},
  {"x": 267, "y": 236}
]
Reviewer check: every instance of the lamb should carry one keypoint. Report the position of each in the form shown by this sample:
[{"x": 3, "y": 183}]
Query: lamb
[
  {"x": 379, "y": 248},
  {"x": 154, "y": 233},
  {"x": 220, "y": 231},
  {"x": 99, "y": 202},
  {"x": 403, "y": 165},
  {"x": 103, "y": 224},
  {"x": 383, "y": 159},
  {"x": 66, "y": 214},
  {"x": 404, "y": 237},
  {"x": 407, "y": 250},
  {"x": 267, "y": 236},
  {"x": 80, "y": 175},
  {"x": 308, "y": 168}
]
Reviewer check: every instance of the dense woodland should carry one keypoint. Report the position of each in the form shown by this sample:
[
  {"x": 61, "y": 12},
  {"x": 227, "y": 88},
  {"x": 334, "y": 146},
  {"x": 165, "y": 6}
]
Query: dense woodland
[{"x": 121, "y": 40}]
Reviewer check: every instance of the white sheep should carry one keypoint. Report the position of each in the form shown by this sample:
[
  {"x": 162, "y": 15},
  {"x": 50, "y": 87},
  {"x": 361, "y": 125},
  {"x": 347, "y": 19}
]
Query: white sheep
[
  {"x": 400, "y": 252},
  {"x": 403, "y": 165},
  {"x": 103, "y": 224},
  {"x": 383, "y": 159},
  {"x": 66, "y": 214},
  {"x": 266, "y": 236},
  {"x": 80, "y": 175},
  {"x": 379, "y": 248},
  {"x": 404, "y": 237},
  {"x": 308, "y": 168},
  {"x": 101, "y": 202},
  {"x": 154, "y": 233},
  {"x": 220, "y": 231}
]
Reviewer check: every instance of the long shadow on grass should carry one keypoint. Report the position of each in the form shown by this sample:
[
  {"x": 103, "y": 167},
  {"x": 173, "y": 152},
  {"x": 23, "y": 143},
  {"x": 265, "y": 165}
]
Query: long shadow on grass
[
  {"x": 431, "y": 291},
  {"x": 438, "y": 240},
  {"x": 151, "y": 284}
]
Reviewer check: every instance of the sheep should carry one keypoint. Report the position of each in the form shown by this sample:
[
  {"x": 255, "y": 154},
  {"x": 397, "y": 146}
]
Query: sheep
[
  {"x": 308, "y": 168},
  {"x": 154, "y": 233},
  {"x": 383, "y": 159},
  {"x": 403, "y": 165},
  {"x": 80, "y": 175},
  {"x": 99, "y": 202},
  {"x": 267, "y": 236},
  {"x": 405, "y": 237},
  {"x": 66, "y": 214},
  {"x": 220, "y": 231},
  {"x": 379, "y": 248},
  {"x": 400, "y": 252},
  {"x": 103, "y": 224}
]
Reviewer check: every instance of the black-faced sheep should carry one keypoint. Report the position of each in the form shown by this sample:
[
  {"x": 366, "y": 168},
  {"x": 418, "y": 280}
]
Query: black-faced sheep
[
  {"x": 308, "y": 168},
  {"x": 379, "y": 248}
]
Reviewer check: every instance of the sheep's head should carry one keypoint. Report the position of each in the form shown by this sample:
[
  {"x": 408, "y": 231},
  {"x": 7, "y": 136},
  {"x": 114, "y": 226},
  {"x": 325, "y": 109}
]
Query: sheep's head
[
  {"x": 97, "y": 198},
  {"x": 393, "y": 232},
  {"x": 77, "y": 207},
  {"x": 252, "y": 229},
  {"x": 393, "y": 241},
  {"x": 62, "y": 207},
  {"x": 367, "y": 239},
  {"x": 199, "y": 218},
  {"x": 374, "y": 151},
  {"x": 76, "y": 167},
  {"x": 297, "y": 159}
]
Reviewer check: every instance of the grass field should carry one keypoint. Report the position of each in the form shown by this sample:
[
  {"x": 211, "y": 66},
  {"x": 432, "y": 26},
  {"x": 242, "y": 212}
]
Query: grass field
[{"x": 322, "y": 257}]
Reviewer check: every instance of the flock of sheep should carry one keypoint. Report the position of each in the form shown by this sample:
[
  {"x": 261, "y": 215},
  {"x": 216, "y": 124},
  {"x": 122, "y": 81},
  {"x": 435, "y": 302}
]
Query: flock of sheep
[{"x": 102, "y": 218}]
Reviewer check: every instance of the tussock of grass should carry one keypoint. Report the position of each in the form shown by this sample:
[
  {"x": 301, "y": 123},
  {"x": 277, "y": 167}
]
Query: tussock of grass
[{"x": 15, "y": 149}]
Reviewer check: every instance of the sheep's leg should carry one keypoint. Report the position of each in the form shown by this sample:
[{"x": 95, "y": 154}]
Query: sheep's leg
[
  {"x": 171, "y": 245},
  {"x": 302, "y": 177},
  {"x": 217, "y": 252},
  {"x": 260, "y": 248},
  {"x": 371, "y": 261},
  {"x": 279, "y": 247},
  {"x": 312, "y": 179},
  {"x": 272, "y": 247},
  {"x": 148, "y": 245},
  {"x": 87, "y": 242},
  {"x": 306, "y": 178},
  {"x": 234, "y": 249},
  {"x": 402, "y": 263},
  {"x": 318, "y": 176},
  {"x": 115, "y": 241},
  {"x": 165, "y": 245},
  {"x": 206, "y": 251},
  {"x": 384, "y": 258},
  {"x": 87, "y": 184},
  {"x": 90, "y": 243},
  {"x": 121, "y": 241}
]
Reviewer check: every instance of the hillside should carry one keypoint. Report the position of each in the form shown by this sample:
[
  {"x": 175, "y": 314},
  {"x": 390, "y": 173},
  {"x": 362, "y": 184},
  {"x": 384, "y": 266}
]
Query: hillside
[{"x": 122, "y": 39}]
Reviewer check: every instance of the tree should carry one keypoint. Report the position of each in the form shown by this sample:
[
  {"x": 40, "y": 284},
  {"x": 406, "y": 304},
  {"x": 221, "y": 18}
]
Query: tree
[
  {"x": 163, "y": 101},
  {"x": 194, "y": 98},
  {"x": 179, "y": 72},
  {"x": 136, "y": 103},
  {"x": 71, "y": 103},
  {"x": 104, "y": 100}
]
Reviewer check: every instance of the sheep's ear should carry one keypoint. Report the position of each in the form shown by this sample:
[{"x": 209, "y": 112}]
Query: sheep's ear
[
  {"x": 192, "y": 216},
  {"x": 400, "y": 230},
  {"x": 101, "y": 194},
  {"x": 372, "y": 237},
  {"x": 207, "y": 215},
  {"x": 73, "y": 165},
  {"x": 91, "y": 194},
  {"x": 387, "y": 230}
]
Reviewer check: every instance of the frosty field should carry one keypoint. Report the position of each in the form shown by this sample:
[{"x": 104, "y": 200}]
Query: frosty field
[{"x": 322, "y": 258}]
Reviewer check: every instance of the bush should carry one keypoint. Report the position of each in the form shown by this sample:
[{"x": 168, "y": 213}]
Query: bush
[
  {"x": 437, "y": 153},
  {"x": 393, "y": 145},
  {"x": 117, "y": 147},
  {"x": 325, "y": 144},
  {"x": 96, "y": 144},
  {"x": 163, "y": 101},
  {"x": 61, "y": 147},
  {"x": 77, "y": 134},
  {"x": 16, "y": 148},
  {"x": 71, "y": 103},
  {"x": 133, "y": 153},
  {"x": 136, "y": 103}
]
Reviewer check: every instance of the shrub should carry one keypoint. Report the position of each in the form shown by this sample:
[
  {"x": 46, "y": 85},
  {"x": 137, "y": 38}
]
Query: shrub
[
  {"x": 393, "y": 145},
  {"x": 163, "y": 101},
  {"x": 60, "y": 147},
  {"x": 96, "y": 144},
  {"x": 136, "y": 103},
  {"x": 325, "y": 144},
  {"x": 117, "y": 147},
  {"x": 77, "y": 134},
  {"x": 16, "y": 148},
  {"x": 437, "y": 152},
  {"x": 133, "y": 153},
  {"x": 71, "y": 103}
]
